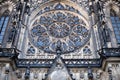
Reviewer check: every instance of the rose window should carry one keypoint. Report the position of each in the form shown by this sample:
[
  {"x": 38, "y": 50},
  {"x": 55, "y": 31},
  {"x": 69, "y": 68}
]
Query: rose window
[
  {"x": 64, "y": 29},
  {"x": 59, "y": 30}
]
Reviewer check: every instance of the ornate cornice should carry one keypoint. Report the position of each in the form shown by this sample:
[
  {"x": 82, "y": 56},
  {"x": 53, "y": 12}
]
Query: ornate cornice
[{"x": 105, "y": 54}]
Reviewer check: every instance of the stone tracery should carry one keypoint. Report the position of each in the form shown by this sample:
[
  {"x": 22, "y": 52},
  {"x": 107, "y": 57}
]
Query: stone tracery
[
  {"x": 54, "y": 27},
  {"x": 59, "y": 27}
]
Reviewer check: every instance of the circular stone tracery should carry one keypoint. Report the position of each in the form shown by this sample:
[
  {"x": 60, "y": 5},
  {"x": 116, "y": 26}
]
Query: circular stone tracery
[{"x": 59, "y": 29}]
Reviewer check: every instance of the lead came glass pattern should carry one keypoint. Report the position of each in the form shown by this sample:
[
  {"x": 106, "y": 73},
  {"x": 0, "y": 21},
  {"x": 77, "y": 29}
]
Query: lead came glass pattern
[
  {"x": 59, "y": 26},
  {"x": 116, "y": 25},
  {"x": 3, "y": 25}
]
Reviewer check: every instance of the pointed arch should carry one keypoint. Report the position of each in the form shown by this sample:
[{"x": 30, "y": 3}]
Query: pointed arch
[
  {"x": 6, "y": 6},
  {"x": 74, "y": 6},
  {"x": 3, "y": 24}
]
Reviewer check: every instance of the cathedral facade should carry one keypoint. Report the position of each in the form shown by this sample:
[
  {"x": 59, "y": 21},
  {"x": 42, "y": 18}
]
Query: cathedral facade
[{"x": 59, "y": 40}]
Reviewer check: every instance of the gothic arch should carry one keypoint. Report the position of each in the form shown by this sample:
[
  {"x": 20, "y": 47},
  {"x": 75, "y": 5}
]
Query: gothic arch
[
  {"x": 84, "y": 12},
  {"x": 112, "y": 5},
  {"x": 9, "y": 5},
  {"x": 107, "y": 8}
]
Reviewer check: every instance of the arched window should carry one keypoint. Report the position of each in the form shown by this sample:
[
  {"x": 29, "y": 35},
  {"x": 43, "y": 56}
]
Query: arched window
[
  {"x": 116, "y": 24},
  {"x": 3, "y": 24}
]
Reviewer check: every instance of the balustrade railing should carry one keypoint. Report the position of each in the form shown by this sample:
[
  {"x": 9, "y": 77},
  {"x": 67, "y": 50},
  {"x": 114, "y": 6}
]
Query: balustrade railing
[
  {"x": 46, "y": 63},
  {"x": 111, "y": 52},
  {"x": 8, "y": 52}
]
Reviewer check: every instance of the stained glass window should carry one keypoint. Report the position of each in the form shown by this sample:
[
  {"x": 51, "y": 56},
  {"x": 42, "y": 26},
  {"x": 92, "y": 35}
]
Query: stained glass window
[
  {"x": 59, "y": 25},
  {"x": 116, "y": 25},
  {"x": 3, "y": 25}
]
